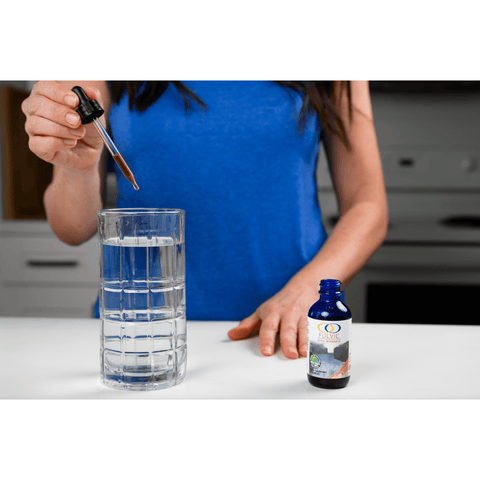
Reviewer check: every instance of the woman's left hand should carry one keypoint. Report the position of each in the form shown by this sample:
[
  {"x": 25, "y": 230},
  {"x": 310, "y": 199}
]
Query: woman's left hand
[{"x": 285, "y": 313}]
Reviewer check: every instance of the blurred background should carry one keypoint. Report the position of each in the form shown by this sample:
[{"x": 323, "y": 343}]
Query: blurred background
[{"x": 427, "y": 271}]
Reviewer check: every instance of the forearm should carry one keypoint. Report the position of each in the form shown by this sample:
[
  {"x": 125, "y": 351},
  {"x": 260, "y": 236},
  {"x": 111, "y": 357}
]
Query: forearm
[
  {"x": 72, "y": 201},
  {"x": 355, "y": 238},
  {"x": 358, "y": 181}
]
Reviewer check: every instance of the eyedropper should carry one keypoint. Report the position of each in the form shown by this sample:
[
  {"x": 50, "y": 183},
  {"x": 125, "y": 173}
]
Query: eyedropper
[{"x": 90, "y": 111}]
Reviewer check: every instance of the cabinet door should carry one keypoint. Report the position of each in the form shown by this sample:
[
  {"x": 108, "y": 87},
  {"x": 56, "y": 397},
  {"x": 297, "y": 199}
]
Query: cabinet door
[
  {"x": 47, "y": 301},
  {"x": 43, "y": 277},
  {"x": 48, "y": 260}
]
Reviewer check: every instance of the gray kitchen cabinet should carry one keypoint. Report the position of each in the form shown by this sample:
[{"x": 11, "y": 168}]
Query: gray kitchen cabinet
[{"x": 43, "y": 277}]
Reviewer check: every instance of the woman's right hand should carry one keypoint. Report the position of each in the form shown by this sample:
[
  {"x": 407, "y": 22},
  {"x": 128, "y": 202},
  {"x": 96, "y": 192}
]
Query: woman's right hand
[{"x": 55, "y": 132}]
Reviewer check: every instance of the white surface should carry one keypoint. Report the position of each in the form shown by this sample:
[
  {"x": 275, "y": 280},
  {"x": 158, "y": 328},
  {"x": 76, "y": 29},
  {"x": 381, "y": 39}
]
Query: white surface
[{"x": 59, "y": 358}]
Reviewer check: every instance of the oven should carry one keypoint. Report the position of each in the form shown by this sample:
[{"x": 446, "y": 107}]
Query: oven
[{"x": 428, "y": 269}]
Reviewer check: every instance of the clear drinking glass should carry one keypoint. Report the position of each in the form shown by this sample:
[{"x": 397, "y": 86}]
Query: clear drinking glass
[{"x": 142, "y": 297}]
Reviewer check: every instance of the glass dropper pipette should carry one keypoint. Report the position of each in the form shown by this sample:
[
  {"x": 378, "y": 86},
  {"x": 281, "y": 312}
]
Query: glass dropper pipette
[
  {"x": 90, "y": 111},
  {"x": 115, "y": 153}
]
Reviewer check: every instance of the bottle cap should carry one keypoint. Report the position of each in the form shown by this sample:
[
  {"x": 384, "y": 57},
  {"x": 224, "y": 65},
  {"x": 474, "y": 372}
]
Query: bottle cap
[{"x": 88, "y": 109}]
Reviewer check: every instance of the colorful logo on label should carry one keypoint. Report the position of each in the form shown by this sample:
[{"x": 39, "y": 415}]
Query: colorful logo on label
[
  {"x": 315, "y": 361},
  {"x": 329, "y": 327}
]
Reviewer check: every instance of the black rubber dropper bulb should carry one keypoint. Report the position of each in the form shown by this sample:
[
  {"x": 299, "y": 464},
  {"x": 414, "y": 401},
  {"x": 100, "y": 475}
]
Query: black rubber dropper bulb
[{"x": 88, "y": 109}]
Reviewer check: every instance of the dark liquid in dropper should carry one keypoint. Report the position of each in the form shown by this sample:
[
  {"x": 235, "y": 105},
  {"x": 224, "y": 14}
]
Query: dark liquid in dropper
[{"x": 125, "y": 170}]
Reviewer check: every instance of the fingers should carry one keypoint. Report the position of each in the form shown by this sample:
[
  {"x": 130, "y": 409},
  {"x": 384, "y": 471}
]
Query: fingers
[
  {"x": 303, "y": 336},
  {"x": 291, "y": 331},
  {"x": 40, "y": 106},
  {"x": 273, "y": 318},
  {"x": 47, "y": 138},
  {"x": 36, "y": 125},
  {"x": 288, "y": 337},
  {"x": 245, "y": 328},
  {"x": 56, "y": 92},
  {"x": 267, "y": 328},
  {"x": 268, "y": 332},
  {"x": 56, "y": 103},
  {"x": 52, "y": 123},
  {"x": 46, "y": 148}
]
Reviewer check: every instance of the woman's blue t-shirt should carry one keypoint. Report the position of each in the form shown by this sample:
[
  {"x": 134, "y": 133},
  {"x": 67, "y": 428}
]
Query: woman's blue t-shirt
[{"x": 245, "y": 177}]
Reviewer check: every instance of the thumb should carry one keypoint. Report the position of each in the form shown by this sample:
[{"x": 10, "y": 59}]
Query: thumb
[{"x": 245, "y": 328}]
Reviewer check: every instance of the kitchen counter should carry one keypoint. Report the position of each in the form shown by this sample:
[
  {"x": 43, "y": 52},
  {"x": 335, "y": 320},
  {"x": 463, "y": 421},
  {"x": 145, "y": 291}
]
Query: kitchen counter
[{"x": 59, "y": 359}]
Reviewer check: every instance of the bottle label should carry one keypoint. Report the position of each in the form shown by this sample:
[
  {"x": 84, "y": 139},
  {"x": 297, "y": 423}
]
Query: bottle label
[{"x": 329, "y": 348}]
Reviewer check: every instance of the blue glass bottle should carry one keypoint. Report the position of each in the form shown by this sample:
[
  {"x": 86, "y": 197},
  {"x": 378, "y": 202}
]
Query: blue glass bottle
[{"x": 329, "y": 332}]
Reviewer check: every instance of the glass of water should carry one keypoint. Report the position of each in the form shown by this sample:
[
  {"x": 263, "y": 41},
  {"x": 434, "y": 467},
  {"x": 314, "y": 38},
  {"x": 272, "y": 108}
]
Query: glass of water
[{"x": 142, "y": 297}]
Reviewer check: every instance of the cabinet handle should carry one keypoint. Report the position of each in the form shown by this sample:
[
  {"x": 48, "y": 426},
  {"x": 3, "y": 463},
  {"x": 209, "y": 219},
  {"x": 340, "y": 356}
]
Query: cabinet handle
[{"x": 52, "y": 263}]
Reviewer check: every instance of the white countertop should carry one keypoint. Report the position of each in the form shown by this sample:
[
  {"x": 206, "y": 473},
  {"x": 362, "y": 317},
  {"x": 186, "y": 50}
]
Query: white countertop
[{"x": 59, "y": 359}]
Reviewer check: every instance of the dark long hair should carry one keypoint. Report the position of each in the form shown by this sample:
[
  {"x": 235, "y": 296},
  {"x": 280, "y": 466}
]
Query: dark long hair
[{"x": 319, "y": 96}]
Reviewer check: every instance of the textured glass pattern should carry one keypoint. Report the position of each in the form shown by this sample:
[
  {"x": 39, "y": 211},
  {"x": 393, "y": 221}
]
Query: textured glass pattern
[{"x": 142, "y": 298}]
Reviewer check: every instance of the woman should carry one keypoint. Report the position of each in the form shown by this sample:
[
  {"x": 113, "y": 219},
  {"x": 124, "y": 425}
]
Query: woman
[{"x": 241, "y": 162}]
